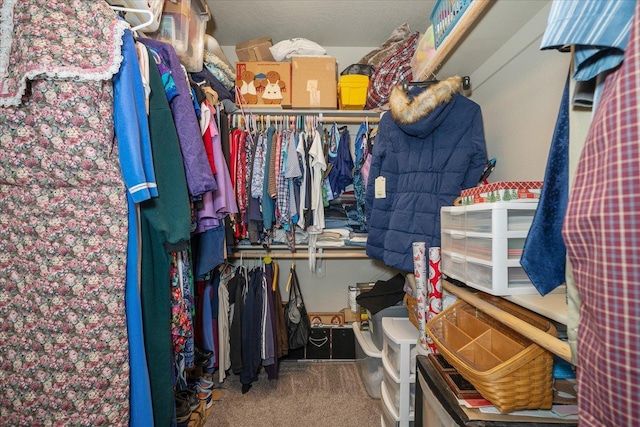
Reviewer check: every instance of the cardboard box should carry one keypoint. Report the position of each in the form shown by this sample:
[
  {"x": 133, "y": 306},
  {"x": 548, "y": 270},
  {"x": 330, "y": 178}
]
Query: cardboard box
[
  {"x": 264, "y": 84},
  {"x": 324, "y": 318},
  {"x": 255, "y": 50},
  {"x": 315, "y": 82},
  {"x": 502, "y": 191},
  {"x": 350, "y": 316}
]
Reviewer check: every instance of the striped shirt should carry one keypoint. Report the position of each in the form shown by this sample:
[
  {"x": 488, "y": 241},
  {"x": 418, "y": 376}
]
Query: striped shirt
[{"x": 598, "y": 29}]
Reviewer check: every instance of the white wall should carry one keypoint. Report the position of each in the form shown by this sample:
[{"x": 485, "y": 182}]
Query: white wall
[
  {"x": 327, "y": 289},
  {"x": 519, "y": 90}
]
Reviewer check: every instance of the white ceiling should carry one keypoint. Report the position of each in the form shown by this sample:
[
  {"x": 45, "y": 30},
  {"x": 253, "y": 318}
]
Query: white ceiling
[{"x": 327, "y": 22}]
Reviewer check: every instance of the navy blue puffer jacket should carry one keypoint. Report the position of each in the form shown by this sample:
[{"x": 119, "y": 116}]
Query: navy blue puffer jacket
[{"x": 428, "y": 149}]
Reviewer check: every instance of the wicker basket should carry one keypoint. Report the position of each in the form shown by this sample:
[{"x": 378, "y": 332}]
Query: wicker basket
[
  {"x": 412, "y": 307},
  {"x": 508, "y": 369}
]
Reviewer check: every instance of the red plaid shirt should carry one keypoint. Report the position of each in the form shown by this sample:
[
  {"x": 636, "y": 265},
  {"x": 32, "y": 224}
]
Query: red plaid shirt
[
  {"x": 602, "y": 233},
  {"x": 396, "y": 69}
]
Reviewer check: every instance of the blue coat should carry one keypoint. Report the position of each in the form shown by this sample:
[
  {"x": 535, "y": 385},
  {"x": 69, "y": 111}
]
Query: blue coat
[{"x": 428, "y": 148}]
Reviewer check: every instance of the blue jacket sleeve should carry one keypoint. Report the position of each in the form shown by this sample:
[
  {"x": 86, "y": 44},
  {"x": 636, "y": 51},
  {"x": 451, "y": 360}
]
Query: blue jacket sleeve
[{"x": 132, "y": 126}]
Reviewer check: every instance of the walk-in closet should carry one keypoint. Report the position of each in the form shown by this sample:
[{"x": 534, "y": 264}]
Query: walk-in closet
[{"x": 300, "y": 213}]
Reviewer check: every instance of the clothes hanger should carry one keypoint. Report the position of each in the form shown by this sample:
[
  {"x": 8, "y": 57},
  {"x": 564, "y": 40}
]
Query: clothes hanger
[
  {"x": 466, "y": 83},
  {"x": 132, "y": 10},
  {"x": 293, "y": 269}
]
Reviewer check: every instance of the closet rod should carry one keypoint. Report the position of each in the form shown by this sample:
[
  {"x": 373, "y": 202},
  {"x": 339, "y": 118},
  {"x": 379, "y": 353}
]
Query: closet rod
[
  {"x": 299, "y": 255},
  {"x": 350, "y": 120},
  {"x": 329, "y": 119}
]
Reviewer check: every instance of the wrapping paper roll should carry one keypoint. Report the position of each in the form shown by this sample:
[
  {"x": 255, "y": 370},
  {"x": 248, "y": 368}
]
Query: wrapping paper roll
[
  {"x": 420, "y": 272},
  {"x": 434, "y": 296}
]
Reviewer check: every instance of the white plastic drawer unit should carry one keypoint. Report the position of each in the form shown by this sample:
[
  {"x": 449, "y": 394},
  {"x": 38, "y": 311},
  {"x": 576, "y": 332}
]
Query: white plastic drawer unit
[
  {"x": 482, "y": 245},
  {"x": 393, "y": 388}
]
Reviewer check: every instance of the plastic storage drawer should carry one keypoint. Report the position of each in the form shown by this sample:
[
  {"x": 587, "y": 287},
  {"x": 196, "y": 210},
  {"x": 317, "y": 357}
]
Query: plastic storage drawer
[
  {"x": 455, "y": 241},
  {"x": 453, "y": 265},
  {"x": 499, "y": 218},
  {"x": 484, "y": 248},
  {"x": 399, "y": 346},
  {"x": 393, "y": 388},
  {"x": 388, "y": 417},
  {"x": 498, "y": 280},
  {"x": 368, "y": 360},
  {"x": 452, "y": 217}
]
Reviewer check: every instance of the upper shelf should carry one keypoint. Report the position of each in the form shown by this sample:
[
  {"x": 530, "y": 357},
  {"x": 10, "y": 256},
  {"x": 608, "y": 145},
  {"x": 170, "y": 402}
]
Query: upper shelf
[{"x": 484, "y": 27}]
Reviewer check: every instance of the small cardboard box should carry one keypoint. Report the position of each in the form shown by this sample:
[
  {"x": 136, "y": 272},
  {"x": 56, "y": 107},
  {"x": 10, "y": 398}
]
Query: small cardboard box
[
  {"x": 264, "y": 84},
  {"x": 350, "y": 316},
  {"x": 255, "y": 50},
  {"x": 326, "y": 318},
  {"x": 315, "y": 82},
  {"x": 502, "y": 191}
]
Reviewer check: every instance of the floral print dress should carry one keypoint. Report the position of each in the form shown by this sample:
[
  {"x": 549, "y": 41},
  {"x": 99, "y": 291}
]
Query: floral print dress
[{"x": 63, "y": 217}]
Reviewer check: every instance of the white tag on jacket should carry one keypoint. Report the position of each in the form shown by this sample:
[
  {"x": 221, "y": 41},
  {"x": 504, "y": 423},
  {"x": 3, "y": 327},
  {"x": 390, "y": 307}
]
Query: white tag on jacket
[{"x": 381, "y": 187}]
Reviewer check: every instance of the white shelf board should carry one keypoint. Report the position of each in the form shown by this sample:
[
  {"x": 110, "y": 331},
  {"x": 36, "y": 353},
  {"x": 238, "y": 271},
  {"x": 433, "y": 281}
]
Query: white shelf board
[{"x": 552, "y": 306}]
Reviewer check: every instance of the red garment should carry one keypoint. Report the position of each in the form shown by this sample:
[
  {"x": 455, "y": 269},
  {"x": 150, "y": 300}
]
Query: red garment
[
  {"x": 208, "y": 147},
  {"x": 602, "y": 235}
]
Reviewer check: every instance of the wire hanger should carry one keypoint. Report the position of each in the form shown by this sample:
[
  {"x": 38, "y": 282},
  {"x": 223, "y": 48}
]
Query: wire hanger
[{"x": 142, "y": 11}]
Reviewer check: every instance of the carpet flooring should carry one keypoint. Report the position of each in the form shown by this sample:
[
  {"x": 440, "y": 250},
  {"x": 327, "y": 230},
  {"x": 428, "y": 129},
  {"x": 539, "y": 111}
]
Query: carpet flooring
[{"x": 306, "y": 394}]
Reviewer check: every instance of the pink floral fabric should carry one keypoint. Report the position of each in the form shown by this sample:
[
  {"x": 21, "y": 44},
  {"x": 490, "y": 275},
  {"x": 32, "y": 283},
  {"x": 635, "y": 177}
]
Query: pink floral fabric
[
  {"x": 74, "y": 39},
  {"x": 63, "y": 218}
]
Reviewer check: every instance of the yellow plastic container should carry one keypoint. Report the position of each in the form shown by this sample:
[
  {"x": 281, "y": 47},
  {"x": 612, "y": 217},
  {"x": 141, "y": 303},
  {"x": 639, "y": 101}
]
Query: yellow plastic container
[{"x": 352, "y": 91}]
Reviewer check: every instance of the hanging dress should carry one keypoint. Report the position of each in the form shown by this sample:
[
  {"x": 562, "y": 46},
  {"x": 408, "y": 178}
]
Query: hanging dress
[{"x": 63, "y": 217}]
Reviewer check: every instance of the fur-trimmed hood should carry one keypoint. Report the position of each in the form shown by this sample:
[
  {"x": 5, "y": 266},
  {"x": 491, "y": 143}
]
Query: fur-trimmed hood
[{"x": 408, "y": 109}]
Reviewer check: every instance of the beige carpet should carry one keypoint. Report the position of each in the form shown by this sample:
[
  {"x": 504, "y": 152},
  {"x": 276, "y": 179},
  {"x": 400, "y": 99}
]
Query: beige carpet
[{"x": 306, "y": 394}]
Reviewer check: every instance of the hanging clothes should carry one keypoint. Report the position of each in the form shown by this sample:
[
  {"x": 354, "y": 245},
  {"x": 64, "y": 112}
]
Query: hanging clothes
[
  {"x": 359, "y": 186},
  {"x": 165, "y": 225},
  {"x": 601, "y": 232},
  {"x": 198, "y": 173},
  {"x": 63, "y": 198},
  {"x": 341, "y": 174},
  {"x": 251, "y": 330},
  {"x": 429, "y": 147}
]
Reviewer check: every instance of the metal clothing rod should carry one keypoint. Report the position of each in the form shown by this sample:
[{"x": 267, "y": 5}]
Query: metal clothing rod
[
  {"x": 300, "y": 255},
  {"x": 350, "y": 120}
]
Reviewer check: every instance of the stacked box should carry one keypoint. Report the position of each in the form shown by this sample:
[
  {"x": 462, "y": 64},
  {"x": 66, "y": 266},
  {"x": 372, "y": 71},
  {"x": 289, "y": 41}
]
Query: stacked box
[
  {"x": 264, "y": 84},
  {"x": 314, "y": 80},
  {"x": 502, "y": 191}
]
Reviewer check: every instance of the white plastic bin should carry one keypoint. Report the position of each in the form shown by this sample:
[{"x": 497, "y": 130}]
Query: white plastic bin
[{"x": 368, "y": 360}]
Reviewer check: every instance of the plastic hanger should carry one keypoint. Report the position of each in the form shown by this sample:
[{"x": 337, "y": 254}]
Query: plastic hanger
[
  {"x": 142, "y": 11},
  {"x": 293, "y": 268}
]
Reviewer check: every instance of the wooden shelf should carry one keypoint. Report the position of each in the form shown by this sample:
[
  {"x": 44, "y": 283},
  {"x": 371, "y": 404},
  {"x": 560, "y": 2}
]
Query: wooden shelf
[{"x": 484, "y": 27}]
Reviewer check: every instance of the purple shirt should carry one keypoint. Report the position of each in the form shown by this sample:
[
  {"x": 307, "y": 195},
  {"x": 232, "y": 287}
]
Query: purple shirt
[{"x": 200, "y": 179}]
